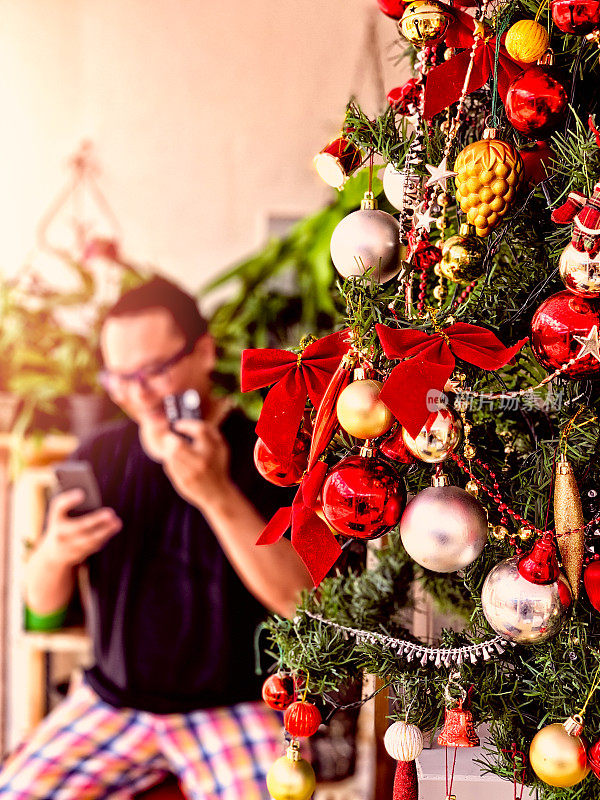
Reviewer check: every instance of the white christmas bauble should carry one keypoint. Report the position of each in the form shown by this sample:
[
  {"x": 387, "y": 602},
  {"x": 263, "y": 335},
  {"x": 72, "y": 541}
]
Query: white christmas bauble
[
  {"x": 403, "y": 742},
  {"x": 400, "y": 186},
  {"x": 367, "y": 239}
]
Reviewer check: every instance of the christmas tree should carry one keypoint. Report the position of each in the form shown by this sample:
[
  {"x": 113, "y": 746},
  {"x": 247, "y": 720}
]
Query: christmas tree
[{"x": 455, "y": 409}]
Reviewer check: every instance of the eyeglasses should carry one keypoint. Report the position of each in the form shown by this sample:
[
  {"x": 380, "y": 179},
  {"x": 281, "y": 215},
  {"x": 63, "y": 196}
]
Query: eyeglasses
[{"x": 152, "y": 377}]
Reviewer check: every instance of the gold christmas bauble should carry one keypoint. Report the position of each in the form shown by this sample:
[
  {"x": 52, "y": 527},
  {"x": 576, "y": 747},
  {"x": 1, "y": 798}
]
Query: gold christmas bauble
[
  {"x": 462, "y": 257},
  {"x": 580, "y": 273},
  {"x": 558, "y": 757},
  {"x": 437, "y": 438},
  {"x": 291, "y": 778},
  {"x": 527, "y": 41},
  {"x": 488, "y": 176},
  {"x": 425, "y": 22},
  {"x": 360, "y": 411}
]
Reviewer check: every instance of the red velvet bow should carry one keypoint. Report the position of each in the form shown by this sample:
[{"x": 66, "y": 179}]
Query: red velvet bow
[
  {"x": 445, "y": 82},
  {"x": 430, "y": 360},
  {"x": 312, "y": 538},
  {"x": 294, "y": 377}
]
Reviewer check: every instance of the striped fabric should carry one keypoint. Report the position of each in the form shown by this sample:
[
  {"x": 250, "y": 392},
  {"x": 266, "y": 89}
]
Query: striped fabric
[{"x": 88, "y": 750}]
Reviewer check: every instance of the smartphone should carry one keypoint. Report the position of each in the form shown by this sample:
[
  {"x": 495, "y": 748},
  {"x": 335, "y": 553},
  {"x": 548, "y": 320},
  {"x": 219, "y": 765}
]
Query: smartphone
[
  {"x": 79, "y": 475},
  {"x": 182, "y": 406}
]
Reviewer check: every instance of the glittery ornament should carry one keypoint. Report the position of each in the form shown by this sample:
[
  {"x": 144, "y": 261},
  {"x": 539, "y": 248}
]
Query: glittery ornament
[
  {"x": 406, "y": 782},
  {"x": 569, "y": 522},
  {"x": 526, "y": 41},
  {"x": 458, "y": 729}
]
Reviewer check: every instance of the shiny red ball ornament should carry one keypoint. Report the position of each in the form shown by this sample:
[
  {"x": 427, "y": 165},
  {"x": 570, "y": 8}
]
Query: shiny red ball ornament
[
  {"x": 540, "y": 565},
  {"x": 591, "y": 581},
  {"x": 405, "y": 98},
  {"x": 406, "y": 783},
  {"x": 594, "y": 758},
  {"x": 274, "y": 470},
  {"x": 302, "y": 719},
  {"x": 392, "y": 8},
  {"x": 554, "y": 326},
  {"x": 537, "y": 101},
  {"x": 576, "y": 16},
  {"x": 536, "y": 163},
  {"x": 278, "y": 691},
  {"x": 363, "y": 498}
]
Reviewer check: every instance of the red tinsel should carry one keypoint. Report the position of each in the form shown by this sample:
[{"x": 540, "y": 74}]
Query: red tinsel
[{"x": 430, "y": 360}]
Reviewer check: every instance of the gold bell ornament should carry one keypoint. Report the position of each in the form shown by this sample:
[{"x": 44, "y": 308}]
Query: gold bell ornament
[
  {"x": 526, "y": 41},
  {"x": 462, "y": 256},
  {"x": 557, "y": 753},
  {"x": 569, "y": 523},
  {"x": 359, "y": 410},
  {"x": 291, "y": 777},
  {"x": 425, "y": 22},
  {"x": 489, "y": 174}
]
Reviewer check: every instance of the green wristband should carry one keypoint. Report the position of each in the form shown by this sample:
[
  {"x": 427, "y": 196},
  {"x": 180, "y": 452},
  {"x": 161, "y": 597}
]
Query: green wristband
[{"x": 44, "y": 622}]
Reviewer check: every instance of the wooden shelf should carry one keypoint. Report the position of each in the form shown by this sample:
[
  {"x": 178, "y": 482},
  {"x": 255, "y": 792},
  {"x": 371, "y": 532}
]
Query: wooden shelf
[
  {"x": 65, "y": 640},
  {"x": 39, "y": 451}
]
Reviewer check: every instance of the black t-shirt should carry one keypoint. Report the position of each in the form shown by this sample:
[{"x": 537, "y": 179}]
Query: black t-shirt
[{"x": 172, "y": 624}]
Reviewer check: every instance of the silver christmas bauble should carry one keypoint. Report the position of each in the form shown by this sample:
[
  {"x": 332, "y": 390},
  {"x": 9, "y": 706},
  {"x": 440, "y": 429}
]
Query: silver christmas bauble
[
  {"x": 580, "y": 273},
  {"x": 437, "y": 438},
  {"x": 400, "y": 187},
  {"x": 444, "y": 528},
  {"x": 403, "y": 741},
  {"x": 524, "y": 612},
  {"x": 367, "y": 239}
]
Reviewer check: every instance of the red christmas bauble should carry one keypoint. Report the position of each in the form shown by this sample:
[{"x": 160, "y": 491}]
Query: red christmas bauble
[
  {"x": 363, "y": 498},
  {"x": 302, "y": 719},
  {"x": 591, "y": 581},
  {"x": 536, "y": 101},
  {"x": 594, "y": 758},
  {"x": 553, "y": 329},
  {"x": 406, "y": 783},
  {"x": 278, "y": 691},
  {"x": 392, "y": 8},
  {"x": 274, "y": 470},
  {"x": 576, "y": 16},
  {"x": 405, "y": 98},
  {"x": 536, "y": 163}
]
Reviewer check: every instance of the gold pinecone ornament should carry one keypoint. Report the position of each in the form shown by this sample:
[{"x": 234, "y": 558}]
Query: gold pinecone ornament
[{"x": 488, "y": 176}]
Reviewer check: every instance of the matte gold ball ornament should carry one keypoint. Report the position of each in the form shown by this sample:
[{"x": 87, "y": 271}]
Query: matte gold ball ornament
[
  {"x": 557, "y": 753},
  {"x": 361, "y": 413},
  {"x": 489, "y": 174},
  {"x": 462, "y": 256},
  {"x": 291, "y": 777},
  {"x": 527, "y": 40},
  {"x": 425, "y": 22}
]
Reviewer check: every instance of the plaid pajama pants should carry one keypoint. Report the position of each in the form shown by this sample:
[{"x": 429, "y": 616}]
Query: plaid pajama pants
[{"x": 88, "y": 750}]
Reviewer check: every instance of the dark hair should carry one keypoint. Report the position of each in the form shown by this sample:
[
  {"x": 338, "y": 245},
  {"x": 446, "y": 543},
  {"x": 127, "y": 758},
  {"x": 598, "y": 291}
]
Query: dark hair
[{"x": 161, "y": 293}]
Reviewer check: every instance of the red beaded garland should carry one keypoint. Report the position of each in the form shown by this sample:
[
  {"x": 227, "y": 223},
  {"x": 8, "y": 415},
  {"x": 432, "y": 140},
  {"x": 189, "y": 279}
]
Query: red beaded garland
[
  {"x": 302, "y": 719},
  {"x": 278, "y": 691}
]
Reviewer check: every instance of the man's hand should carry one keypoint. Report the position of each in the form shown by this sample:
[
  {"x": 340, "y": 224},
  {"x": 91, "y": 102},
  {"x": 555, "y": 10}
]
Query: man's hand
[
  {"x": 199, "y": 470},
  {"x": 68, "y": 541}
]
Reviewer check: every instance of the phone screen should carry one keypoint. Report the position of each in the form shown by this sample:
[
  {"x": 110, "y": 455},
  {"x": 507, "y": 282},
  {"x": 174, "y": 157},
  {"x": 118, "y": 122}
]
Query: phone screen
[{"x": 79, "y": 475}]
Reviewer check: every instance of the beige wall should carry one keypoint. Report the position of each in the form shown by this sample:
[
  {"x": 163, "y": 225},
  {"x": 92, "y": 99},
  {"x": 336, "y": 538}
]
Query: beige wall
[{"x": 205, "y": 115}]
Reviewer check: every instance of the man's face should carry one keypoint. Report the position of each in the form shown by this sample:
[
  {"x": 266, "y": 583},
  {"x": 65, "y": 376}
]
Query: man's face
[{"x": 135, "y": 348}]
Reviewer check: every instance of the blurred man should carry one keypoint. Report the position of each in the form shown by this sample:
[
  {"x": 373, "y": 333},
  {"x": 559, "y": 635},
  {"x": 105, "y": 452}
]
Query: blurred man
[{"x": 177, "y": 585}]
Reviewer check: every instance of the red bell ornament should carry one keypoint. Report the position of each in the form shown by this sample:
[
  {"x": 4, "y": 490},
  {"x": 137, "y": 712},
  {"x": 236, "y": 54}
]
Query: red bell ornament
[
  {"x": 458, "y": 729},
  {"x": 537, "y": 101},
  {"x": 274, "y": 470},
  {"x": 278, "y": 691},
  {"x": 540, "y": 565},
  {"x": 394, "y": 447},
  {"x": 302, "y": 719},
  {"x": 576, "y": 16},
  {"x": 362, "y": 496},
  {"x": 557, "y": 325},
  {"x": 591, "y": 581}
]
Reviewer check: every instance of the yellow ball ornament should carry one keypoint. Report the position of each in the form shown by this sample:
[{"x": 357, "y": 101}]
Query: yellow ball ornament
[
  {"x": 360, "y": 412},
  {"x": 557, "y": 753},
  {"x": 291, "y": 777},
  {"x": 527, "y": 40}
]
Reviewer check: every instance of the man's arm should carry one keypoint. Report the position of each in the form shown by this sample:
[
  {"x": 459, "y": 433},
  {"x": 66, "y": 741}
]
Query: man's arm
[
  {"x": 200, "y": 473},
  {"x": 65, "y": 544}
]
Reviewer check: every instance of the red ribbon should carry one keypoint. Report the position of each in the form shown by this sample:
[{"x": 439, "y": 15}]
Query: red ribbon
[
  {"x": 445, "y": 82},
  {"x": 430, "y": 360},
  {"x": 311, "y": 538},
  {"x": 294, "y": 377}
]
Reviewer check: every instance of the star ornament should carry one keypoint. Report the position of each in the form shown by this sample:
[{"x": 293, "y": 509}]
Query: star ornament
[
  {"x": 589, "y": 344},
  {"x": 439, "y": 174},
  {"x": 423, "y": 219}
]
